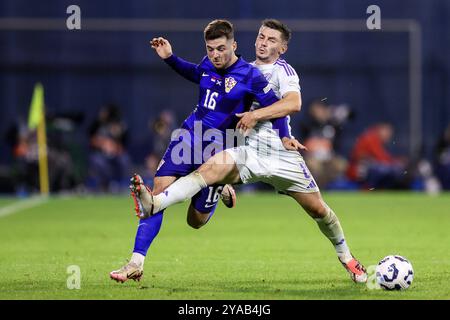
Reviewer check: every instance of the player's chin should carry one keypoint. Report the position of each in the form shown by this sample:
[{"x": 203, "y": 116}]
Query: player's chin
[{"x": 261, "y": 56}]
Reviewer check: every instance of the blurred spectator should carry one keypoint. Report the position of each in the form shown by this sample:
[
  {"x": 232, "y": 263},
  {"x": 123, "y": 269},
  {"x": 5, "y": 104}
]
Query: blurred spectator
[
  {"x": 25, "y": 172},
  {"x": 319, "y": 132},
  {"x": 151, "y": 165},
  {"x": 109, "y": 162},
  {"x": 160, "y": 132},
  {"x": 442, "y": 158},
  {"x": 62, "y": 132},
  {"x": 373, "y": 166},
  {"x": 24, "y": 147}
]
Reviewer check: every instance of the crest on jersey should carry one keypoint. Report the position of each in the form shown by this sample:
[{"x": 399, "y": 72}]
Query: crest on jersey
[{"x": 229, "y": 84}]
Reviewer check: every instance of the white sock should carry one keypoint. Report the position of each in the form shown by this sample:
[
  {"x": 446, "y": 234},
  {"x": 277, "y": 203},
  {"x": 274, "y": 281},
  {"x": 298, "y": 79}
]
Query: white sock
[
  {"x": 331, "y": 228},
  {"x": 181, "y": 190},
  {"x": 138, "y": 258}
]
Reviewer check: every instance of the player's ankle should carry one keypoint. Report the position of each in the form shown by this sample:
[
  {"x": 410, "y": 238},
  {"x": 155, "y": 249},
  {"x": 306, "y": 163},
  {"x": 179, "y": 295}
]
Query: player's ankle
[
  {"x": 138, "y": 259},
  {"x": 345, "y": 257},
  {"x": 157, "y": 203}
]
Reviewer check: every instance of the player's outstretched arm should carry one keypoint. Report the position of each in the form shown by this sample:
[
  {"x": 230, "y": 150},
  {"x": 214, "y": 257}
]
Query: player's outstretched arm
[
  {"x": 289, "y": 104},
  {"x": 186, "y": 69}
]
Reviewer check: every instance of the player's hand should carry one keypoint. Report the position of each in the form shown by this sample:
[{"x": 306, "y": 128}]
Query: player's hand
[
  {"x": 247, "y": 122},
  {"x": 292, "y": 144},
  {"x": 162, "y": 47}
]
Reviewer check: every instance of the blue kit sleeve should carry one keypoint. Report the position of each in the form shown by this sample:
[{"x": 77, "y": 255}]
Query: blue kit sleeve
[{"x": 186, "y": 69}]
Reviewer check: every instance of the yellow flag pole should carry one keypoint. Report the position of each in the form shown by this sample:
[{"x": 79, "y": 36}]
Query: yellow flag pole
[
  {"x": 36, "y": 119},
  {"x": 42, "y": 153}
]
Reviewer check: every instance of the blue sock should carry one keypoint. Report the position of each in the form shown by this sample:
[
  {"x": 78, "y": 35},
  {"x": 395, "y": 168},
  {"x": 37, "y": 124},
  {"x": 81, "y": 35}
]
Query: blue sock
[{"x": 147, "y": 231}]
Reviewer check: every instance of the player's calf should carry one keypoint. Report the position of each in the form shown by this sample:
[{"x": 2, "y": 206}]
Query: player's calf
[{"x": 196, "y": 219}]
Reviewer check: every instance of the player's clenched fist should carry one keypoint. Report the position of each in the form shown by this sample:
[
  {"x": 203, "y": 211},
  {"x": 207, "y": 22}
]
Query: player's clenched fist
[{"x": 162, "y": 47}]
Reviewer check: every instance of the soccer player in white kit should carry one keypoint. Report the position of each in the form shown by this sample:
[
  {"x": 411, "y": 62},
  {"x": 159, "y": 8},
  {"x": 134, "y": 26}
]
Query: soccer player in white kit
[{"x": 263, "y": 157}]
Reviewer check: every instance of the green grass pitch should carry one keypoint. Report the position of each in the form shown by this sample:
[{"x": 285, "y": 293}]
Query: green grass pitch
[{"x": 265, "y": 248}]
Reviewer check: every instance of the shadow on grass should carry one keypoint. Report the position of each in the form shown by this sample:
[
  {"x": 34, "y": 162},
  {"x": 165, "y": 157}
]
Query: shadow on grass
[
  {"x": 312, "y": 289},
  {"x": 274, "y": 289}
]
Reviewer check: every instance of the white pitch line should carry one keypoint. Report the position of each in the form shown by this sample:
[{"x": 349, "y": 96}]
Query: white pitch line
[{"x": 22, "y": 205}]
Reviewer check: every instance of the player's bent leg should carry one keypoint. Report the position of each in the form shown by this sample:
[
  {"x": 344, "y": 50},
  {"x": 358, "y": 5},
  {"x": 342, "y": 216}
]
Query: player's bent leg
[
  {"x": 312, "y": 203},
  {"x": 147, "y": 230},
  {"x": 212, "y": 172},
  {"x": 149, "y": 227},
  {"x": 218, "y": 169},
  {"x": 330, "y": 226},
  {"x": 203, "y": 205},
  {"x": 221, "y": 169},
  {"x": 197, "y": 219}
]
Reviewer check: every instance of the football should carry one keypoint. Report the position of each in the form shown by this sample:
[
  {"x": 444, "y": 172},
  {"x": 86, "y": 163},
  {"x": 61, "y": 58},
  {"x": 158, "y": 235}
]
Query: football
[{"x": 394, "y": 272}]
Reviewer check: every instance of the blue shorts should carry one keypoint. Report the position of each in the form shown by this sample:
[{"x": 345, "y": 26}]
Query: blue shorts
[{"x": 172, "y": 165}]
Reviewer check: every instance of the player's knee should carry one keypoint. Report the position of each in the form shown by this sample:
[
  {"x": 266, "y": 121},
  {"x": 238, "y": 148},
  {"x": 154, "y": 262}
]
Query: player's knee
[
  {"x": 196, "y": 219},
  {"x": 195, "y": 223},
  {"x": 210, "y": 171},
  {"x": 318, "y": 210}
]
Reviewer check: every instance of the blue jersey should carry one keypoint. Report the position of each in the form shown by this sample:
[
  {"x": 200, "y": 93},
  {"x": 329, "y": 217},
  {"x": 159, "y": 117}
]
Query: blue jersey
[{"x": 223, "y": 93}]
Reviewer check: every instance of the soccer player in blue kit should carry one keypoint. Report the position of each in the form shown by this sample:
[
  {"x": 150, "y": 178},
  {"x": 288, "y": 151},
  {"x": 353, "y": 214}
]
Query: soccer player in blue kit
[
  {"x": 263, "y": 157},
  {"x": 228, "y": 86}
]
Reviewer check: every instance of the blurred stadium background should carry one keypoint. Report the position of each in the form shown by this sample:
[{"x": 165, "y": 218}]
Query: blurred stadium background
[{"x": 398, "y": 75}]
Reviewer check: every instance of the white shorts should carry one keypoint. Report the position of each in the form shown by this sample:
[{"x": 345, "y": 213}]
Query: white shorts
[{"x": 264, "y": 159}]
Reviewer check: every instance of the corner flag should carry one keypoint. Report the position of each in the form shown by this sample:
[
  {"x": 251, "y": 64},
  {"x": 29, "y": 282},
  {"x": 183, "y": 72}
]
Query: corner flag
[
  {"x": 36, "y": 107},
  {"x": 36, "y": 119}
]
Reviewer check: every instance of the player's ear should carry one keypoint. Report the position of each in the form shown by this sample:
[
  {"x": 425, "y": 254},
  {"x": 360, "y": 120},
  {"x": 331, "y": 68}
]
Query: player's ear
[
  {"x": 234, "y": 45},
  {"x": 283, "y": 49}
]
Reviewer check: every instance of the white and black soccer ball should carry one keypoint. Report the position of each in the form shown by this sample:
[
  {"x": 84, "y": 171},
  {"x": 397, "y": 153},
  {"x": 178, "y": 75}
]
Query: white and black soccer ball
[{"x": 394, "y": 272}]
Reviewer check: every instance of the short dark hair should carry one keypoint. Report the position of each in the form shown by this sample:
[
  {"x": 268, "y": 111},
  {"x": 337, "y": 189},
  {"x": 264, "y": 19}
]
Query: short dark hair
[
  {"x": 278, "y": 25},
  {"x": 219, "y": 28}
]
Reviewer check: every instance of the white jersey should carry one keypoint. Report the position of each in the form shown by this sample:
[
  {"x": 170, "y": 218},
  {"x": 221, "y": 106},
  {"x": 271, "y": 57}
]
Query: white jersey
[
  {"x": 282, "y": 79},
  {"x": 263, "y": 157},
  {"x": 281, "y": 76}
]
